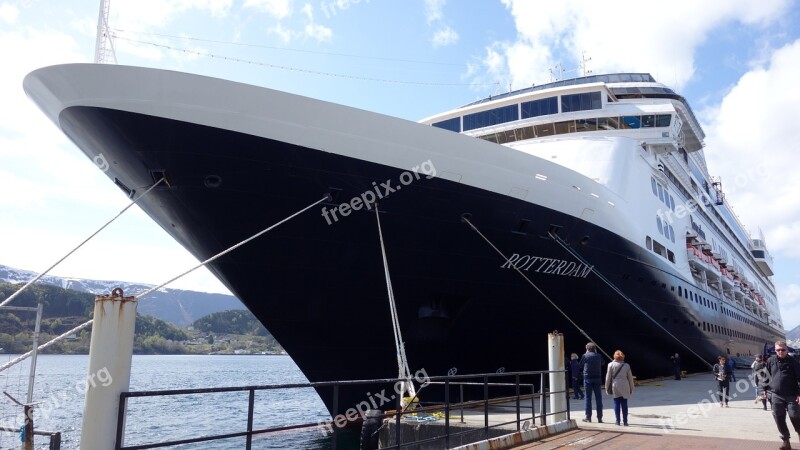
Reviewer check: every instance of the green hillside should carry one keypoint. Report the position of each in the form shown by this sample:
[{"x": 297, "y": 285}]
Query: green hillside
[{"x": 65, "y": 309}]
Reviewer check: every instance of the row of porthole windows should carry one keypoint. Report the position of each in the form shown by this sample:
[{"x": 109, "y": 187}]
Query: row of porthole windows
[
  {"x": 735, "y": 315},
  {"x": 714, "y": 328},
  {"x": 689, "y": 295},
  {"x": 697, "y": 298}
]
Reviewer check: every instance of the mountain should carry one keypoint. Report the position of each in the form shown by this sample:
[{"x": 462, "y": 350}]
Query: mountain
[
  {"x": 793, "y": 337},
  {"x": 794, "y": 334},
  {"x": 176, "y": 306}
]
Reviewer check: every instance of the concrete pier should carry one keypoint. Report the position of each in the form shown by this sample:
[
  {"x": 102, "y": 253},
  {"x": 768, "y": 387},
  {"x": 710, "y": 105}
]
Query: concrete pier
[
  {"x": 663, "y": 414},
  {"x": 676, "y": 414}
]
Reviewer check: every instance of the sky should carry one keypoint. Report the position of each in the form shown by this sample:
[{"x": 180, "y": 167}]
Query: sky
[{"x": 737, "y": 62}]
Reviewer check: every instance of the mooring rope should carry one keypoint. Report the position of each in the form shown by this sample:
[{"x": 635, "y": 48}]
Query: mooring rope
[
  {"x": 608, "y": 282},
  {"x": 25, "y": 356},
  {"x": 20, "y": 358},
  {"x": 327, "y": 197},
  {"x": 38, "y": 277},
  {"x": 402, "y": 362},
  {"x": 465, "y": 219}
]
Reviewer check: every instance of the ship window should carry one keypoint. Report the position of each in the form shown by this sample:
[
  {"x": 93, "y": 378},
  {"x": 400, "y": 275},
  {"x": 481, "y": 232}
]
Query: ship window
[
  {"x": 663, "y": 120},
  {"x": 658, "y": 248},
  {"x": 631, "y": 122},
  {"x": 658, "y": 224},
  {"x": 586, "y": 125},
  {"x": 540, "y": 107},
  {"x": 581, "y": 102},
  {"x": 491, "y": 117},
  {"x": 680, "y": 292},
  {"x": 544, "y": 130},
  {"x": 670, "y": 256},
  {"x": 758, "y": 253},
  {"x": 565, "y": 127},
  {"x": 453, "y": 124},
  {"x": 660, "y": 192},
  {"x": 653, "y": 185},
  {"x": 608, "y": 123},
  {"x": 649, "y": 243},
  {"x": 648, "y": 121},
  {"x": 527, "y": 133}
]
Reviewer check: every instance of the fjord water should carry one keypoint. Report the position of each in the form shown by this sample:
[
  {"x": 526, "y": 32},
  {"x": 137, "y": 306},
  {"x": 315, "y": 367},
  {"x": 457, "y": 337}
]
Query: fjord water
[{"x": 61, "y": 379}]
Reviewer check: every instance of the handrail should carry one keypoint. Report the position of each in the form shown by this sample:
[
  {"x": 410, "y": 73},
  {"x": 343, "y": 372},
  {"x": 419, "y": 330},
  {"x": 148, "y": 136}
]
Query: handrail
[{"x": 447, "y": 381}]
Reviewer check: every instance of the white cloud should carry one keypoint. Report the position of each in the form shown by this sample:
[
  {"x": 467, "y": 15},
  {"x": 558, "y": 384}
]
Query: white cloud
[
  {"x": 433, "y": 10},
  {"x": 752, "y": 143},
  {"x": 284, "y": 33},
  {"x": 638, "y": 43},
  {"x": 8, "y": 13},
  {"x": 789, "y": 296},
  {"x": 145, "y": 14},
  {"x": 318, "y": 32},
  {"x": 445, "y": 36},
  {"x": 313, "y": 30},
  {"x": 279, "y": 9}
]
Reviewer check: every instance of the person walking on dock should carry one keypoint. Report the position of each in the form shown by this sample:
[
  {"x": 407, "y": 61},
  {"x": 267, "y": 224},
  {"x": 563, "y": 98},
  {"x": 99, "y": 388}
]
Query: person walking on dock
[
  {"x": 591, "y": 365},
  {"x": 732, "y": 364},
  {"x": 761, "y": 381},
  {"x": 676, "y": 365},
  {"x": 722, "y": 373},
  {"x": 784, "y": 374},
  {"x": 619, "y": 384},
  {"x": 575, "y": 376}
]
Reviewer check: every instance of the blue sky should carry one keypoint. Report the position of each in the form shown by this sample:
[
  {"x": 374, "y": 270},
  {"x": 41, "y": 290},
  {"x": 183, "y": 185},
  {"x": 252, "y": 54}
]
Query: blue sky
[{"x": 736, "y": 62}]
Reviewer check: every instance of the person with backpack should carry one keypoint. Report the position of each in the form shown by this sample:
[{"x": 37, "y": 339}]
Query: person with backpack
[{"x": 722, "y": 373}]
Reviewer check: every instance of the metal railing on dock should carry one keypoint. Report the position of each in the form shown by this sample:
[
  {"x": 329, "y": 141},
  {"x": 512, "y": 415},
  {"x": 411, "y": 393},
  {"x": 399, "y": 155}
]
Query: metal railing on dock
[
  {"x": 511, "y": 392},
  {"x": 55, "y": 436}
]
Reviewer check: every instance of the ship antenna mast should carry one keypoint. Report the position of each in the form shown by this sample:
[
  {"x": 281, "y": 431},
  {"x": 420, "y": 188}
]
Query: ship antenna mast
[
  {"x": 584, "y": 60},
  {"x": 104, "y": 45}
]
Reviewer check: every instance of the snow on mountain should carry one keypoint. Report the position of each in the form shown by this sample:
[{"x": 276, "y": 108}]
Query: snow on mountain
[{"x": 181, "y": 307}]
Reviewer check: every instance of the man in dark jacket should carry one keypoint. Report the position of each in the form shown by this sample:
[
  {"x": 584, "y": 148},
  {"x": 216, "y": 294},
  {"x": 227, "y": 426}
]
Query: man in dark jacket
[
  {"x": 676, "y": 365},
  {"x": 591, "y": 365},
  {"x": 784, "y": 373}
]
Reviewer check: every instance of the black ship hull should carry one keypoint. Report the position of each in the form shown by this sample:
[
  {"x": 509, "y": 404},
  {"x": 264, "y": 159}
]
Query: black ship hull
[{"x": 318, "y": 284}]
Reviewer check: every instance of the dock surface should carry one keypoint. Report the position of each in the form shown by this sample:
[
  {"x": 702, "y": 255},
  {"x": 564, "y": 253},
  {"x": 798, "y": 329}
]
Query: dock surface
[{"x": 675, "y": 414}]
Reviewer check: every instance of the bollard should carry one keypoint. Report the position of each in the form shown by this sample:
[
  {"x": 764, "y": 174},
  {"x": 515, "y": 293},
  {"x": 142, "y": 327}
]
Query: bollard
[
  {"x": 558, "y": 402},
  {"x": 110, "y": 353},
  {"x": 370, "y": 430}
]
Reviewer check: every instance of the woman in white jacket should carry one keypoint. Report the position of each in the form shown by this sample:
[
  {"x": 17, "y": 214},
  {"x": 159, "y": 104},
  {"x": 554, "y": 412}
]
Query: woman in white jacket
[{"x": 619, "y": 384}]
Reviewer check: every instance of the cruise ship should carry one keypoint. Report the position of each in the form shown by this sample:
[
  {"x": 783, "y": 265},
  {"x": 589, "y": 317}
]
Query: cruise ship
[{"x": 583, "y": 206}]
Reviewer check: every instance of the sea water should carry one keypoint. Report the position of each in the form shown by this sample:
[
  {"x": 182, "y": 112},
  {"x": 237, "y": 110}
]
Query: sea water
[{"x": 61, "y": 379}]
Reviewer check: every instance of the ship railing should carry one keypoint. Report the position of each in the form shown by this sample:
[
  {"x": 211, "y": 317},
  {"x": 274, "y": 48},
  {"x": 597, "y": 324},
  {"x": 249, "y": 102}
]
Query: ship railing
[{"x": 519, "y": 392}]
